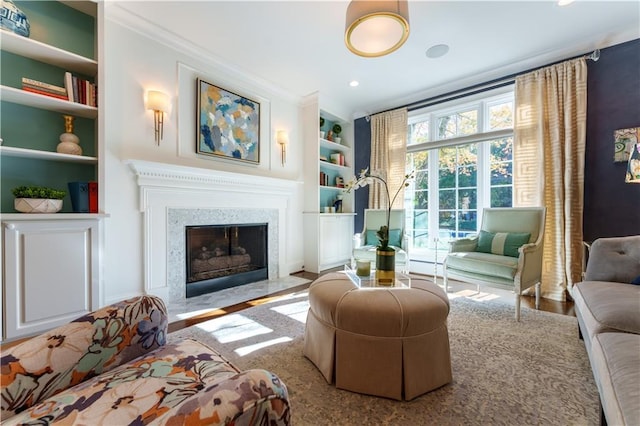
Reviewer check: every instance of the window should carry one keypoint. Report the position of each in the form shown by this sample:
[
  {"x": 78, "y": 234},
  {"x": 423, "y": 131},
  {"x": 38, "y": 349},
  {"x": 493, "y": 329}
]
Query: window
[{"x": 462, "y": 155}]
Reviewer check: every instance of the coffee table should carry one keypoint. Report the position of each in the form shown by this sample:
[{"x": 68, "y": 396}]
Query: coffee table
[{"x": 401, "y": 280}]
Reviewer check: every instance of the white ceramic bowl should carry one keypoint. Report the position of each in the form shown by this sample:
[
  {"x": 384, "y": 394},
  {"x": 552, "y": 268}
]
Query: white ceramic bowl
[{"x": 37, "y": 205}]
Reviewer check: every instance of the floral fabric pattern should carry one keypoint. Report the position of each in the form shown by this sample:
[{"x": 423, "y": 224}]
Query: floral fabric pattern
[{"x": 91, "y": 371}]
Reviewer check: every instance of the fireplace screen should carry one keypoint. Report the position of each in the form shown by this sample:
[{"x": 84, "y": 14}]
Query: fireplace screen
[{"x": 223, "y": 256}]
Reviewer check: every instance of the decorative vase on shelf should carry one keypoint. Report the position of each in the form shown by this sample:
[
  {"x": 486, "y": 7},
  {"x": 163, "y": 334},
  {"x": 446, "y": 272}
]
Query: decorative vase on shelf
[
  {"x": 37, "y": 205},
  {"x": 13, "y": 19},
  {"x": 385, "y": 266},
  {"x": 69, "y": 143}
]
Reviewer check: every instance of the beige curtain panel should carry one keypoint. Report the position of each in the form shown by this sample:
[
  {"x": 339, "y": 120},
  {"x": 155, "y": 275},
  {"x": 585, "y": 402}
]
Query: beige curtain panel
[
  {"x": 388, "y": 156},
  {"x": 549, "y": 147}
]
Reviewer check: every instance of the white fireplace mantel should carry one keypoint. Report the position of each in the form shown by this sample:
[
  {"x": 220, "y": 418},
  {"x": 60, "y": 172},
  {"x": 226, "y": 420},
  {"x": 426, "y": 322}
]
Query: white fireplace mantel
[{"x": 195, "y": 195}]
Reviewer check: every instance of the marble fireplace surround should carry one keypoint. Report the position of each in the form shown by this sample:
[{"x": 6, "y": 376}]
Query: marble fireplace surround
[{"x": 172, "y": 197}]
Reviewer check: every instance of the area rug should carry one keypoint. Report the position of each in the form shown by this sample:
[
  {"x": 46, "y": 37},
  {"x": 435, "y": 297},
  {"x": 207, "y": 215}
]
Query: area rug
[{"x": 532, "y": 372}]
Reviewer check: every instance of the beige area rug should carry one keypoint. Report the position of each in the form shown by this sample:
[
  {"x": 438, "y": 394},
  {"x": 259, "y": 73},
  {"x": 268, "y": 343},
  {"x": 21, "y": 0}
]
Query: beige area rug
[{"x": 534, "y": 372}]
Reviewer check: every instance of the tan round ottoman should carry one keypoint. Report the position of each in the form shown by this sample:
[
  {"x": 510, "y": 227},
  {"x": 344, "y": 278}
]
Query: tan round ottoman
[{"x": 385, "y": 342}]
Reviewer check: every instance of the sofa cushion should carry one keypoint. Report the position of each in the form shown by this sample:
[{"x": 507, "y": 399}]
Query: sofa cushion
[
  {"x": 614, "y": 259},
  {"x": 502, "y": 243},
  {"x": 608, "y": 306},
  {"x": 483, "y": 263},
  {"x": 615, "y": 361}
]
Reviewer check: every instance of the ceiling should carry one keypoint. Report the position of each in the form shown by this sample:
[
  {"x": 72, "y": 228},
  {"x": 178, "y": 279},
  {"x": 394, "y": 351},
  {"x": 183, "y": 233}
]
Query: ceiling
[{"x": 298, "y": 46}]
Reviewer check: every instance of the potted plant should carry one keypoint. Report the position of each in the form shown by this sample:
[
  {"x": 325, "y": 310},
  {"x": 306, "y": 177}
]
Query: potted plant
[
  {"x": 385, "y": 254},
  {"x": 37, "y": 199},
  {"x": 336, "y": 131},
  {"x": 321, "y": 124}
]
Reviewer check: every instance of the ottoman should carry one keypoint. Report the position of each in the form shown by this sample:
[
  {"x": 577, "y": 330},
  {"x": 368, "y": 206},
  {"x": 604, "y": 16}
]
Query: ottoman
[{"x": 389, "y": 342}]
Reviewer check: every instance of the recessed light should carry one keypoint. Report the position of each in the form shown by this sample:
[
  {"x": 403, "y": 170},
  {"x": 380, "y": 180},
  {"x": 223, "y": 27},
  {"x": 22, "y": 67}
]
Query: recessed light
[
  {"x": 565, "y": 2},
  {"x": 437, "y": 51},
  {"x": 354, "y": 83}
]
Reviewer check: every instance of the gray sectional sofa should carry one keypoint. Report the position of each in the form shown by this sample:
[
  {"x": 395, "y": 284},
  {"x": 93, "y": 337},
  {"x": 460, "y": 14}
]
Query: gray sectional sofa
[{"x": 607, "y": 305}]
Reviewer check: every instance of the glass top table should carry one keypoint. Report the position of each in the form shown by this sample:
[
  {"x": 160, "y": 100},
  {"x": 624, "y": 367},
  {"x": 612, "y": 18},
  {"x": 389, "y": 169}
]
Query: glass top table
[{"x": 401, "y": 280}]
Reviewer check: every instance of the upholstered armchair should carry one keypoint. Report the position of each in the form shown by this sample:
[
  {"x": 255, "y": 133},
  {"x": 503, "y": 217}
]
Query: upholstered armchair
[
  {"x": 507, "y": 253},
  {"x": 365, "y": 243}
]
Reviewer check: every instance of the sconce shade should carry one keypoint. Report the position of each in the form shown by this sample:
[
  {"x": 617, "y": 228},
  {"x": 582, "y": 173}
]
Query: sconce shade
[
  {"x": 158, "y": 102},
  {"x": 282, "y": 137},
  {"x": 376, "y": 28}
]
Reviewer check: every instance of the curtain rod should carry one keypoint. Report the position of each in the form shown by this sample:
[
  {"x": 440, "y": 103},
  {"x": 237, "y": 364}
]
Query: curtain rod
[{"x": 481, "y": 87}]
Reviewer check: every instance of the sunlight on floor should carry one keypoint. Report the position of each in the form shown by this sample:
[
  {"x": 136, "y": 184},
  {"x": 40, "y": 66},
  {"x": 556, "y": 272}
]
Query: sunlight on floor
[
  {"x": 246, "y": 350},
  {"x": 234, "y": 327},
  {"x": 297, "y": 311},
  {"x": 474, "y": 295}
]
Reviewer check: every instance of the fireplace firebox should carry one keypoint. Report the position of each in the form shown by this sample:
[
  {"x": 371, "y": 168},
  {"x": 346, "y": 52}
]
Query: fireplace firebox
[{"x": 224, "y": 256}]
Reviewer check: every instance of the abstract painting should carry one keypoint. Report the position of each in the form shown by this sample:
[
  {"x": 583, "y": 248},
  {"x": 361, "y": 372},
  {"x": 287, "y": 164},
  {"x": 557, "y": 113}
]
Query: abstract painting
[
  {"x": 625, "y": 141},
  {"x": 228, "y": 124}
]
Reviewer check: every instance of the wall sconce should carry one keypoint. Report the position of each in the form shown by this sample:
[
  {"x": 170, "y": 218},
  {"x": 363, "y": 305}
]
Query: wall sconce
[
  {"x": 158, "y": 102},
  {"x": 283, "y": 139}
]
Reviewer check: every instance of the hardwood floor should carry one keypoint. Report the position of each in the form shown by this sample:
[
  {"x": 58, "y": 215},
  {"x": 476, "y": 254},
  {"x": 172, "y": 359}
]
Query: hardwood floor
[{"x": 564, "y": 308}]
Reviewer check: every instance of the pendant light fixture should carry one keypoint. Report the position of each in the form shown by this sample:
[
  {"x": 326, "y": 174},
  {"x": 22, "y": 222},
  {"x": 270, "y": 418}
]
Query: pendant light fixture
[{"x": 376, "y": 27}]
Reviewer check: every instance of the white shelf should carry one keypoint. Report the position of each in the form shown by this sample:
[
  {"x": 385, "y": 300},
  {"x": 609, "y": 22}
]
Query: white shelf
[
  {"x": 42, "y": 52},
  {"x": 51, "y": 216},
  {"x": 335, "y": 146},
  {"x": 22, "y": 97},
  {"x": 9, "y": 151},
  {"x": 334, "y": 166}
]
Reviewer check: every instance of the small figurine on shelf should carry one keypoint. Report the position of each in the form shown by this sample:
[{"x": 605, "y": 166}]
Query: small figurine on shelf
[
  {"x": 337, "y": 205},
  {"x": 336, "y": 130},
  {"x": 330, "y": 135},
  {"x": 69, "y": 143}
]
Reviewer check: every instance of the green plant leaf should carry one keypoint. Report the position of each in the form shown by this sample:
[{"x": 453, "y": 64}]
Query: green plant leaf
[{"x": 38, "y": 192}]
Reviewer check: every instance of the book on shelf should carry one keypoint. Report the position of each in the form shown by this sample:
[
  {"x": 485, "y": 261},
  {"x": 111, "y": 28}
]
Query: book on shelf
[
  {"x": 68, "y": 84},
  {"x": 44, "y": 92},
  {"x": 43, "y": 86},
  {"x": 93, "y": 196},
  {"x": 79, "y": 193},
  {"x": 80, "y": 90}
]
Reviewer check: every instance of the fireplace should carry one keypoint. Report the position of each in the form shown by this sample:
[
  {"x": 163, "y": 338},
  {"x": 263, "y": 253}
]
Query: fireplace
[{"x": 223, "y": 256}]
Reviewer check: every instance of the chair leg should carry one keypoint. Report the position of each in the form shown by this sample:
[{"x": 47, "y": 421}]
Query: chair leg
[
  {"x": 444, "y": 280},
  {"x": 478, "y": 288},
  {"x": 538, "y": 295},
  {"x": 517, "y": 307}
]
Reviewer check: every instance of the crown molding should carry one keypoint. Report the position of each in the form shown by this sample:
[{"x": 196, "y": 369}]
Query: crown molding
[{"x": 116, "y": 13}]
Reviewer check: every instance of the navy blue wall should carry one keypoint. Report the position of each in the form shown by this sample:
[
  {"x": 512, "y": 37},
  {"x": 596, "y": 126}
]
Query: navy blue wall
[
  {"x": 362, "y": 155},
  {"x": 611, "y": 206}
]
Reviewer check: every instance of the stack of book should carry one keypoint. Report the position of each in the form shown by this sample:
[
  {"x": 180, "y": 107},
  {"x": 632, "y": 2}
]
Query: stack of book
[
  {"x": 84, "y": 196},
  {"x": 80, "y": 90},
  {"x": 324, "y": 179},
  {"x": 41, "y": 88}
]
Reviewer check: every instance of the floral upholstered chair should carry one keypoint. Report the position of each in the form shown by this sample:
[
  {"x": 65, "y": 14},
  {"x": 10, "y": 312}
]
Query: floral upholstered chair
[{"x": 112, "y": 367}]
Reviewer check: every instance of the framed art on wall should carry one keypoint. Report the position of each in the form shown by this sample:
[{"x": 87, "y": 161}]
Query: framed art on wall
[
  {"x": 228, "y": 124},
  {"x": 625, "y": 141}
]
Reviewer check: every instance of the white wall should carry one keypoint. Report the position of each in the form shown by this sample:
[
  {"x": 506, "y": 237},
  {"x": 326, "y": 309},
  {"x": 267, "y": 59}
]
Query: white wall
[{"x": 133, "y": 63}]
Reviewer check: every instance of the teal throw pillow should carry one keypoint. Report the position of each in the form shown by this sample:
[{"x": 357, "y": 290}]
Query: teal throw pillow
[
  {"x": 395, "y": 236},
  {"x": 370, "y": 238},
  {"x": 503, "y": 243}
]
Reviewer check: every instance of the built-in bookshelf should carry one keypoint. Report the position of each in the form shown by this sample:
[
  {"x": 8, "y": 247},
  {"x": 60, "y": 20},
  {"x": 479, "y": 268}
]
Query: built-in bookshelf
[
  {"x": 328, "y": 166},
  {"x": 63, "y": 41}
]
